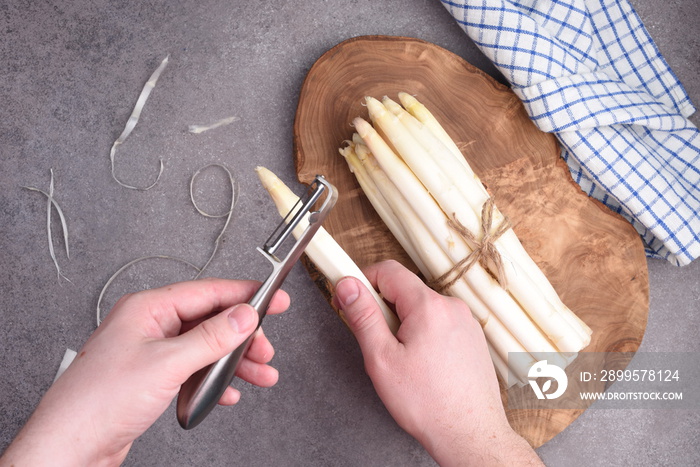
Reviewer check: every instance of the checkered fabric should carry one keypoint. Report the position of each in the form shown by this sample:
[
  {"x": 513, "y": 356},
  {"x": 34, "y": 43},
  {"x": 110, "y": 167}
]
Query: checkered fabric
[{"x": 588, "y": 71}]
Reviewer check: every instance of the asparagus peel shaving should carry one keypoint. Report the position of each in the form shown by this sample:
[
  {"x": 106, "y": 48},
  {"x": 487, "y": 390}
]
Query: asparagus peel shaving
[
  {"x": 131, "y": 124},
  {"x": 53, "y": 204},
  {"x": 228, "y": 214},
  {"x": 196, "y": 129}
]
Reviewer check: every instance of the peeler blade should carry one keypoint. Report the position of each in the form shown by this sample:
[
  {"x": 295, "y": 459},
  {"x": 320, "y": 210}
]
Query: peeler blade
[{"x": 296, "y": 216}]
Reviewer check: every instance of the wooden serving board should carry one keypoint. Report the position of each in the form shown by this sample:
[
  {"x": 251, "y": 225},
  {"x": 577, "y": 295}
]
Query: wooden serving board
[{"x": 592, "y": 256}]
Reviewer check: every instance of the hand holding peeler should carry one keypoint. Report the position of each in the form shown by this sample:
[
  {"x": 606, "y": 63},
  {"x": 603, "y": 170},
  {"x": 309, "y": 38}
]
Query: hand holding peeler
[{"x": 202, "y": 391}]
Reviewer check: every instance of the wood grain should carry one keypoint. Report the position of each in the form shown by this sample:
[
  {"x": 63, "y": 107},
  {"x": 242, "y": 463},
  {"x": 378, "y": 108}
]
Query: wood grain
[{"x": 592, "y": 256}]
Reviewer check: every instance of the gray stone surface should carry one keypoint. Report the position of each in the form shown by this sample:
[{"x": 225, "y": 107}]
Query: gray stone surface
[{"x": 70, "y": 73}]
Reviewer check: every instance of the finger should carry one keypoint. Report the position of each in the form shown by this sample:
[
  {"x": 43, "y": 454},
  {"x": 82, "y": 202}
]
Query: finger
[
  {"x": 363, "y": 316},
  {"x": 261, "y": 350},
  {"x": 259, "y": 374},
  {"x": 399, "y": 286},
  {"x": 193, "y": 300},
  {"x": 211, "y": 339},
  {"x": 230, "y": 396}
]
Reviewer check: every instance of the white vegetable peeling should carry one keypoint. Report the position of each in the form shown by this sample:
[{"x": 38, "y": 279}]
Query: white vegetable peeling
[
  {"x": 133, "y": 120},
  {"x": 51, "y": 202},
  {"x": 68, "y": 357},
  {"x": 228, "y": 214},
  {"x": 202, "y": 128}
]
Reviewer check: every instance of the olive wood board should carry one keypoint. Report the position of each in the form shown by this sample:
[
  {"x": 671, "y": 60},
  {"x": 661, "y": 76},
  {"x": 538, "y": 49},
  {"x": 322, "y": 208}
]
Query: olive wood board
[{"x": 592, "y": 256}]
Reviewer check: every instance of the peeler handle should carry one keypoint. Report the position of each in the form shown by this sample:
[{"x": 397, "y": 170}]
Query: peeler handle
[{"x": 202, "y": 391}]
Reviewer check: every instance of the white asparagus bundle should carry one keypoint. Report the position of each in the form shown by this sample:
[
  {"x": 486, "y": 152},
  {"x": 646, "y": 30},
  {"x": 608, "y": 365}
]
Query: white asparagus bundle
[
  {"x": 328, "y": 256},
  {"x": 476, "y": 195},
  {"x": 440, "y": 212}
]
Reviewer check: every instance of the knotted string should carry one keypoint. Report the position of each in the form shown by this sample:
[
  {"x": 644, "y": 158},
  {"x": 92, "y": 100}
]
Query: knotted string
[{"x": 483, "y": 250}]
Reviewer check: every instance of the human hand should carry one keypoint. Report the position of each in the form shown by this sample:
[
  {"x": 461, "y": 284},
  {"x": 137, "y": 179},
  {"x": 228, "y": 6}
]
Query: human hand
[
  {"x": 133, "y": 365},
  {"x": 435, "y": 376}
]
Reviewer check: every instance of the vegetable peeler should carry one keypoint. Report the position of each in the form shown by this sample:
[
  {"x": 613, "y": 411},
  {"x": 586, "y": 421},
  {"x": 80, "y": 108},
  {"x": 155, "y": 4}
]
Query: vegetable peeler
[{"x": 202, "y": 391}]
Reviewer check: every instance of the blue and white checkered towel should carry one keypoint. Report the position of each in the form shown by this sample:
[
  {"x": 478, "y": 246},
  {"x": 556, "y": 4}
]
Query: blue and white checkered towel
[{"x": 588, "y": 71}]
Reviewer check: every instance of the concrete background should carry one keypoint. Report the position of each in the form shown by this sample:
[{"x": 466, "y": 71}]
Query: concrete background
[{"x": 70, "y": 73}]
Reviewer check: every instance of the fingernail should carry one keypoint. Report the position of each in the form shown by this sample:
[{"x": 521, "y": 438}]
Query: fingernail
[
  {"x": 347, "y": 292},
  {"x": 242, "y": 318}
]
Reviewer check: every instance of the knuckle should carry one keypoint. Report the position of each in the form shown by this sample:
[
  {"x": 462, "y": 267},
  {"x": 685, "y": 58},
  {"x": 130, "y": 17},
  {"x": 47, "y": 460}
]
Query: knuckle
[
  {"x": 379, "y": 362},
  {"x": 213, "y": 338},
  {"x": 131, "y": 299},
  {"x": 442, "y": 310},
  {"x": 128, "y": 305},
  {"x": 124, "y": 299},
  {"x": 262, "y": 347},
  {"x": 362, "y": 318},
  {"x": 390, "y": 265},
  {"x": 454, "y": 302},
  {"x": 432, "y": 300}
]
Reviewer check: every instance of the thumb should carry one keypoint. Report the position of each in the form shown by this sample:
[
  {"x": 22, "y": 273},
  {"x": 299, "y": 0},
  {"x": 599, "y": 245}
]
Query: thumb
[
  {"x": 362, "y": 314},
  {"x": 215, "y": 337}
]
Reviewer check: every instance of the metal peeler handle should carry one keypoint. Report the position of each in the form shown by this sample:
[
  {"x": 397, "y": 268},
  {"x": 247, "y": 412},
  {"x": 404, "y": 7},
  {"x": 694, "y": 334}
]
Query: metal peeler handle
[{"x": 202, "y": 391}]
